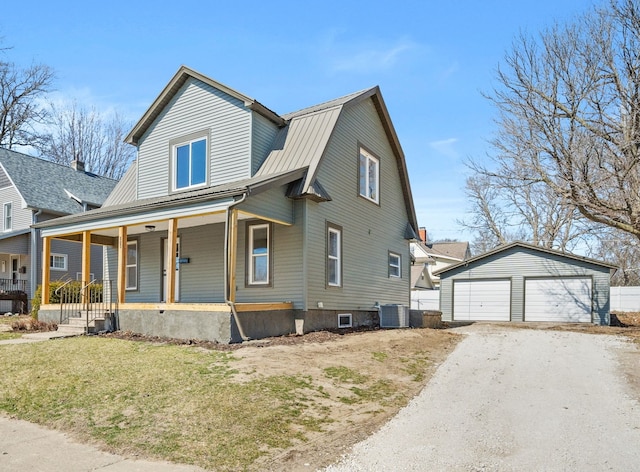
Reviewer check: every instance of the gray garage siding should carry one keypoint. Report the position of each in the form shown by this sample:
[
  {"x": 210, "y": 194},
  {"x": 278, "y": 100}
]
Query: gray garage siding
[{"x": 518, "y": 263}]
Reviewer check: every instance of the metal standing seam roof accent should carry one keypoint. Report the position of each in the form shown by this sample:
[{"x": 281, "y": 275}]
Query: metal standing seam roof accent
[
  {"x": 524, "y": 245},
  {"x": 46, "y": 185}
]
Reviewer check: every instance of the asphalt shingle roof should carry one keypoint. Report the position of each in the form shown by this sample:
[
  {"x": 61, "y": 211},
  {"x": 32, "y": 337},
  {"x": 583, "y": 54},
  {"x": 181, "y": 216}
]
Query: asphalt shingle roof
[{"x": 46, "y": 185}]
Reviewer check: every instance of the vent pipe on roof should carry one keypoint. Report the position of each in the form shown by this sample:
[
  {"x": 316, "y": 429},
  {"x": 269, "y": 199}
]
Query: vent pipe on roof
[{"x": 77, "y": 165}]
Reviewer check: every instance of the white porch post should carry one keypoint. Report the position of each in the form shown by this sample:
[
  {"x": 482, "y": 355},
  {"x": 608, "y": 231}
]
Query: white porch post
[
  {"x": 172, "y": 241},
  {"x": 46, "y": 254}
]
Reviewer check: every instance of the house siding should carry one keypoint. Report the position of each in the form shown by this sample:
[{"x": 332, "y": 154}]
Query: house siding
[
  {"x": 21, "y": 217},
  {"x": 286, "y": 274},
  {"x": 263, "y": 133},
  {"x": 196, "y": 107},
  {"x": 379, "y": 228},
  {"x": 271, "y": 204},
  {"x": 518, "y": 264}
]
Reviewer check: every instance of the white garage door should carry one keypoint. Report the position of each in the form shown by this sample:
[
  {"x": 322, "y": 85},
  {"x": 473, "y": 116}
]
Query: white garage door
[
  {"x": 482, "y": 300},
  {"x": 558, "y": 299}
]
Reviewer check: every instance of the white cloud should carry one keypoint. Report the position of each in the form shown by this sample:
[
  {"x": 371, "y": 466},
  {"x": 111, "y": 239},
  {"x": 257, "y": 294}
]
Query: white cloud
[
  {"x": 345, "y": 55},
  {"x": 445, "y": 147}
]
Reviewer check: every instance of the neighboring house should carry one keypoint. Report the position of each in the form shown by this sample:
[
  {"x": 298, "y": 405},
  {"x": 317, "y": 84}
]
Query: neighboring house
[
  {"x": 428, "y": 258},
  {"x": 522, "y": 282},
  {"x": 33, "y": 190},
  {"x": 236, "y": 222}
]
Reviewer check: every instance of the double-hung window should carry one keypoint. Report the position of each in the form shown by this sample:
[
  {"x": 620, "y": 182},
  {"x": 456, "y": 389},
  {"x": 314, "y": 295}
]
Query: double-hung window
[
  {"x": 334, "y": 256},
  {"x": 7, "y": 216},
  {"x": 190, "y": 164},
  {"x": 259, "y": 254},
  {"x": 395, "y": 265},
  {"x": 369, "y": 176},
  {"x": 58, "y": 261},
  {"x": 131, "y": 274}
]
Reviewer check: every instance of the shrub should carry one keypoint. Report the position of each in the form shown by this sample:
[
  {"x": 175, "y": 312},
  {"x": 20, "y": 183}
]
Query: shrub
[{"x": 70, "y": 294}]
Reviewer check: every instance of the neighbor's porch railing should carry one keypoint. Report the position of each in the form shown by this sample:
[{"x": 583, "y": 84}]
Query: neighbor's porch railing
[
  {"x": 89, "y": 301},
  {"x": 11, "y": 285}
]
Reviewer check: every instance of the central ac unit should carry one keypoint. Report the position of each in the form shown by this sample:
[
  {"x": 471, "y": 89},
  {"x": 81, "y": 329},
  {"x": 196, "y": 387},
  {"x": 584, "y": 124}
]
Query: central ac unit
[{"x": 394, "y": 316}]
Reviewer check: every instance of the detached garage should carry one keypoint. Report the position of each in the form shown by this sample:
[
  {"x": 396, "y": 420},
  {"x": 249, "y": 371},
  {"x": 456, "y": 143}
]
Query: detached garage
[{"x": 522, "y": 282}]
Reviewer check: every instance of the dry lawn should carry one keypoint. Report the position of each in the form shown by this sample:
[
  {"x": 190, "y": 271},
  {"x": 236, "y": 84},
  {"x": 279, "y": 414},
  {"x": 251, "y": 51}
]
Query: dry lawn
[{"x": 293, "y": 403}]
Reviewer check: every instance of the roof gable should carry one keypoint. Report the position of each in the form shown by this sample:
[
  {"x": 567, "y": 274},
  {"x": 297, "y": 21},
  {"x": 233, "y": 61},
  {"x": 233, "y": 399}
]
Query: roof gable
[
  {"x": 172, "y": 88},
  {"x": 53, "y": 187},
  {"x": 530, "y": 247}
]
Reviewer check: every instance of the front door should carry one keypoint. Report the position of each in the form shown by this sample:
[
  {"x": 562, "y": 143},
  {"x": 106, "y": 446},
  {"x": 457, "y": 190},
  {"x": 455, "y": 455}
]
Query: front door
[
  {"x": 165, "y": 259},
  {"x": 15, "y": 272}
]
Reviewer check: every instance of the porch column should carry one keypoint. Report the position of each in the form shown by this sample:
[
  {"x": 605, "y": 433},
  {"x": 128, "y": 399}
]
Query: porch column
[
  {"x": 122, "y": 263},
  {"x": 172, "y": 240},
  {"x": 233, "y": 249},
  {"x": 86, "y": 257},
  {"x": 46, "y": 255}
]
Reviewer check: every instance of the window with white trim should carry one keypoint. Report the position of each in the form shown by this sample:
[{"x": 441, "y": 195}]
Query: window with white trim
[
  {"x": 131, "y": 270},
  {"x": 334, "y": 256},
  {"x": 7, "y": 216},
  {"x": 190, "y": 164},
  {"x": 79, "y": 276},
  {"x": 395, "y": 265},
  {"x": 369, "y": 175},
  {"x": 259, "y": 253},
  {"x": 58, "y": 261}
]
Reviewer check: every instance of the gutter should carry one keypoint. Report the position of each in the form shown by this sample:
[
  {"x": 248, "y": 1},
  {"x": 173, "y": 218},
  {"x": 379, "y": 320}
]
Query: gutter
[{"x": 227, "y": 264}]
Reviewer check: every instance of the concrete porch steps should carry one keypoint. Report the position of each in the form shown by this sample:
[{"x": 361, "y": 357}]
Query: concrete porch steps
[{"x": 78, "y": 326}]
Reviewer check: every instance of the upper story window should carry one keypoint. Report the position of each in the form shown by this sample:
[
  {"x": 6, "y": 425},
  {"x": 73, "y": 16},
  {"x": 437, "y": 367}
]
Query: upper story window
[
  {"x": 395, "y": 265},
  {"x": 259, "y": 254},
  {"x": 369, "y": 176},
  {"x": 190, "y": 163},
  {"x": 7, "y": 216}
]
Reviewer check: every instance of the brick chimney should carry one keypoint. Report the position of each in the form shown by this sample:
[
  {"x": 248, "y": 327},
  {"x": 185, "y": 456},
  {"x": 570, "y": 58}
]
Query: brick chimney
[
  {"x": 422, "y": 232},
  {"x": 77, "y": 165}
]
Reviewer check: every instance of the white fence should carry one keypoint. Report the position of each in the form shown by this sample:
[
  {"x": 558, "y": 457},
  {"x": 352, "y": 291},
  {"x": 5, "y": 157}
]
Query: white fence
[
  {"x": 622, "y": 299},
  {"x": 425, "y": 299},
  {"x": 625, "y": 298}
]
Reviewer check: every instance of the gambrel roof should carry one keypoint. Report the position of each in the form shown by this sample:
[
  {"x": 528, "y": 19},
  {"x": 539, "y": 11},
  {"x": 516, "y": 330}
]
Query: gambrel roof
[
  {"x": 52, "y": 187},
  {"x": 298, "y": 148}
]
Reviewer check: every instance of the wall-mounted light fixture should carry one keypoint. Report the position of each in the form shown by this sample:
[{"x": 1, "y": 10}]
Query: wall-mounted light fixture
[{"x": 150, "y": 228}]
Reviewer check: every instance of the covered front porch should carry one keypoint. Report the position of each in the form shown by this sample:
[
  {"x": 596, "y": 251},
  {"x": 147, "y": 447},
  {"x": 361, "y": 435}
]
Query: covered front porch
[{"x": 173, "y": 272}]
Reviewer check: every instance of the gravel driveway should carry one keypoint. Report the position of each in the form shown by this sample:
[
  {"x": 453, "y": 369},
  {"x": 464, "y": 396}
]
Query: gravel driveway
[{"x": 514, "y": 399}]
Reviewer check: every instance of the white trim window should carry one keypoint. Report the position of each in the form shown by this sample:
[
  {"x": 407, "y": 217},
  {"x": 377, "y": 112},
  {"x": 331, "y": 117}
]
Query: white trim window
[
  {"x": 369, "y": 175},
  {"x": 58, "y": 261},
  {"x": 395, "y": 265},
  {"x": 334, "y": 256},
  {"x": 259, "y": 249},
  {"x": 79, "y": 276},
  {"x": 7, "y": 216},
  {"x": 131, "y": 270},
  {"x": 190, "y": 164}
]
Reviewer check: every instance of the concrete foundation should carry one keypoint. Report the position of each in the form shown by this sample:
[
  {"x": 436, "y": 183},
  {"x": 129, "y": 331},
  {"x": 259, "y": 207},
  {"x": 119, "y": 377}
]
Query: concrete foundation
[{"x": 220, "y": 326}]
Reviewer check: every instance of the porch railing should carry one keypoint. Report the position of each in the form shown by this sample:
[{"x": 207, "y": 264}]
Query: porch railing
[
  {"x": 11, "y": 285},
  {"x": 89, "y": 301}
]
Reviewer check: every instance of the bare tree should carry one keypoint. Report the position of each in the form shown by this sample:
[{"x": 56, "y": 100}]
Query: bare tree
[
  {"x": 569, "y": 115},
  {"x": 623, "y": 250},
  {"x": 508, "y": 209},
  {"x": 21, "y": 91},
  {"x": 82, "y": 134}
]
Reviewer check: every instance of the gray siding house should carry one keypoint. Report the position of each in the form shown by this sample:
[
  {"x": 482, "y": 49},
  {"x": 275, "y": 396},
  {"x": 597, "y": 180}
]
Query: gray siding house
[
  {"x": 522, "y": 282},
  {"x": 236, "y": 222},
  {"x": 33, "y": 190}
]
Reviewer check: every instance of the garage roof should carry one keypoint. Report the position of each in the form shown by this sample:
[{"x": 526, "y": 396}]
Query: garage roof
[{"x": 521, "y": 244}]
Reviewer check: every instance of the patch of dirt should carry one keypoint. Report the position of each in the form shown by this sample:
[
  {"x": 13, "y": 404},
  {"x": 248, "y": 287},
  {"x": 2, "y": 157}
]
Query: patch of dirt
[{"x": 406, "y": 358}]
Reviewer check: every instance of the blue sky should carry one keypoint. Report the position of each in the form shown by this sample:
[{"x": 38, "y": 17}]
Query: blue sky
[{"x": 432, "y": 60}]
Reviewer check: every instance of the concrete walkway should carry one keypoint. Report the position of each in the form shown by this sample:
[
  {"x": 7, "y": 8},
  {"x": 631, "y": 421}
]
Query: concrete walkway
[{"x": 27, "y": 447}]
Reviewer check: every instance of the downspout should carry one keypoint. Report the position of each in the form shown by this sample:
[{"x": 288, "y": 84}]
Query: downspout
[
  {"x": 33, "y": 270},
  {"x": 227, "y": 263}
]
